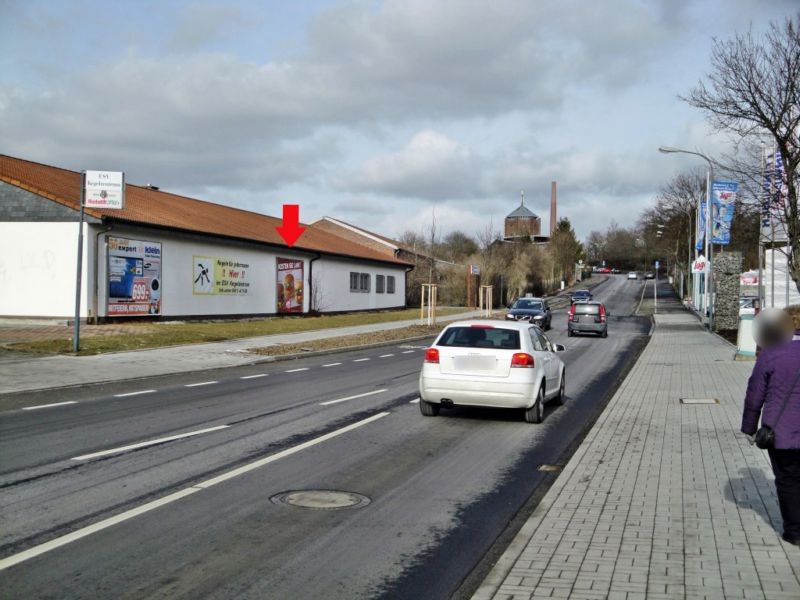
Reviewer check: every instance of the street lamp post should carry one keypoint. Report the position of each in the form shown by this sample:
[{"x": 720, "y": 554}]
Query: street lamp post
[{"x": 709, "y": 247}]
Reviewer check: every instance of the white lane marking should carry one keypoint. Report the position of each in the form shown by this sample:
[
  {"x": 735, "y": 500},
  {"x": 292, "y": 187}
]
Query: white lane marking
[
  {"x": 253, "y": 376},
  {"x": 332, "y": 365},
  {"x": 49, "y": 405},
  {"x": 407, "y": 352},
  {"x": 15, "y": 559},
  {"x": 364, "y": 395},
  {"x": 296, "y": 370},
  {"x": 360, "y": 359},
  {"x": 416, "y": 401},
  {"x": 385, "y": 355},
  {"x": 170, "y": 438},
  {"x": 201, "y": 383},
  {"x": 139, "y": 393},
  {"x": 288, "y": 452}
]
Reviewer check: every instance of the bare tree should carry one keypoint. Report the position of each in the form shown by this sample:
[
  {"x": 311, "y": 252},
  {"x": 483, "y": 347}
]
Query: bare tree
[{"x": 754, "y": 88}]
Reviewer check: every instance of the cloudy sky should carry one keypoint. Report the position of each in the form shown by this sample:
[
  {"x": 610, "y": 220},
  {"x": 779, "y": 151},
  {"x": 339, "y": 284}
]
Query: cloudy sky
[{"x": 378, "y": 113}]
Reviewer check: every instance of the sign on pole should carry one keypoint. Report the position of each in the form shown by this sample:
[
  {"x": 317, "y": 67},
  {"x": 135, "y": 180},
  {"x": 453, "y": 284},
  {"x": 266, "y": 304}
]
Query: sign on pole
[
  {"x": 105, "y": 189},
  {"x": 700, "y": 264},
  {"x": 474, "y": 270}
]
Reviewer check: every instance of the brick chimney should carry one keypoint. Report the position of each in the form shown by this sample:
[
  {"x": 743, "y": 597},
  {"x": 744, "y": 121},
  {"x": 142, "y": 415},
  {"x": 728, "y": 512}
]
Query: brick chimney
[{"x": 553, "y": 220}]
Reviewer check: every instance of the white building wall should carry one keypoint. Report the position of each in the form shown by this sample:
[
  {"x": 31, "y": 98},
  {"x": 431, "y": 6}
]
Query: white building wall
[
  {"x": 38, "y": 264},
  {"x": 38, "y": 269},
  {"x": 332, "y": 277},
  {"x": 178, "y": 257}
]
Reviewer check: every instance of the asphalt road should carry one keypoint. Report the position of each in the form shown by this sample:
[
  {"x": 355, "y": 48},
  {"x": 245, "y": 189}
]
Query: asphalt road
[{"x": 164, "y": 487}]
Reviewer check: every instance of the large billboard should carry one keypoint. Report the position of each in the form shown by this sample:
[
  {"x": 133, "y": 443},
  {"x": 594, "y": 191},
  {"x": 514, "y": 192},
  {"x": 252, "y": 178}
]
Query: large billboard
[
  {"x": 289, "y": 285},
  {"x": 134, "y": 277},
  {"x": 220, "y": 276}
]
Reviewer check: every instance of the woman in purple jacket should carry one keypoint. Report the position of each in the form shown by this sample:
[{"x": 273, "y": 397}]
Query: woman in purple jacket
[{"x": 774, "y": 374}]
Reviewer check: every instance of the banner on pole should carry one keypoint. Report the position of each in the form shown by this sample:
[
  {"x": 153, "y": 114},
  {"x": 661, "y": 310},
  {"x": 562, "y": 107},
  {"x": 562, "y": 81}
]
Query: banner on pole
[
  {"x": 723, "y": 200},
  {"x": 701, "y": 233}
]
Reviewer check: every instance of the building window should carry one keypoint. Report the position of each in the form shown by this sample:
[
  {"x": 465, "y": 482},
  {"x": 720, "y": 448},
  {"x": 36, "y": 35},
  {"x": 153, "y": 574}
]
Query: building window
[
  {"x": 364, "y": 282},
  {"x": 390, "y": 284},
  {"x": 379, "y": 284},
  {"x": 354, "y": 282}
]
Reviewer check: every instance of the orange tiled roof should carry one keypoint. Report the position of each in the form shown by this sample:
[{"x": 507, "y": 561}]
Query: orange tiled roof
[{"x": 147, "y": 206}]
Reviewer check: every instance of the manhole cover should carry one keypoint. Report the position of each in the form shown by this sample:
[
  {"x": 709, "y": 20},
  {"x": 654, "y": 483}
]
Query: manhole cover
[{"x": 321, "y": 499}]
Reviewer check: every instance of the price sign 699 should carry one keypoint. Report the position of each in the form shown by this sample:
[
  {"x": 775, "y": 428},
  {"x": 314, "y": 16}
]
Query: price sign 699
[{"x": 141, "y": 290}]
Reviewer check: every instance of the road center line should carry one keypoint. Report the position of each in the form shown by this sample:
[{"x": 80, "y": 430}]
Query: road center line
[
  {"x": 15, "y": 559},
  {"x": 360, "y": 359},
  {"x": 139, "y": 393},
  {"x": 407, "y": 352},
  {"x": 201, "y": 383},
  {"x": 296, "y": 370},
  {"x": 415, "y": 401},
  {"x": 170, "y": 438},
  {"x": 253, "y": 376},
  {"x": 332, "y": 365},
  {"x": 49, "y": 405},
  {"x": 288, "y": 452},
  {"x": 385, "y": 355},
  {"x": 364, "y": 395}
]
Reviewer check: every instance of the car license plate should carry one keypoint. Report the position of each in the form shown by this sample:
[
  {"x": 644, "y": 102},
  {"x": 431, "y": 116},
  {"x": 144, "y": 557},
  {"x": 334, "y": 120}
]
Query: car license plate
[{"x": 474, "y": 363}]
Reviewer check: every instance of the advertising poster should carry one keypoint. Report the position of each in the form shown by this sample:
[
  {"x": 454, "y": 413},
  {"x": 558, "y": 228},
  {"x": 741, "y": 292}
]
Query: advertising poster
[
  {"x": 220, "y": 276},
  {"x": 289, "y": 285},
  {"x": 134, "y": 278},
  {"x": 723, "y": 199}
]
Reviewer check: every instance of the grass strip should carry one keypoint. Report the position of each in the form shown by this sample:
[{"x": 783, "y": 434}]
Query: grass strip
[{"x": 98, "y": 340}]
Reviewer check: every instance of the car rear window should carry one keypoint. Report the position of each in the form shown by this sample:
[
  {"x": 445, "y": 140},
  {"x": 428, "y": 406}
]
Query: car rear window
[
  {"x": 587, "y": 309},
  {"x": 479, "y": 337}
]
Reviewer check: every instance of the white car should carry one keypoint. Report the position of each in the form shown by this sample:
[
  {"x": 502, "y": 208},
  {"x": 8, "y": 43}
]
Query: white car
[
  {"x": 633, "y": 275},
  {"x": 492, "y": 363}
]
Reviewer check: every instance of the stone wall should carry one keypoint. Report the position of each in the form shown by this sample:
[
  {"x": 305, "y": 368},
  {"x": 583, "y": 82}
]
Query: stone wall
[{"x": 727, "y": 268}]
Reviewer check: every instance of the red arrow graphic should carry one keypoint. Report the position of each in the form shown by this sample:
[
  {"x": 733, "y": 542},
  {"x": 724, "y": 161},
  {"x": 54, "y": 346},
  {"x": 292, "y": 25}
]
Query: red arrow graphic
[{"x": 291, "y": 231}]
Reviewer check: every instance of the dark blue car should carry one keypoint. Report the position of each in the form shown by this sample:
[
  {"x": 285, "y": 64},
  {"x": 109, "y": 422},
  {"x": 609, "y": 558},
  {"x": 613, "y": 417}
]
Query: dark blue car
[
  {"x": 535, "y": 310},
  {"x": 580, "y": 296}
]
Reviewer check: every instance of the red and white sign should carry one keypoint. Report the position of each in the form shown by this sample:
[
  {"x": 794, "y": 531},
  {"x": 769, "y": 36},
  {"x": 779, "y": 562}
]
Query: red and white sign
[
  {"x": 700, "y": 264},
  {"x": 104, "y": 189}
]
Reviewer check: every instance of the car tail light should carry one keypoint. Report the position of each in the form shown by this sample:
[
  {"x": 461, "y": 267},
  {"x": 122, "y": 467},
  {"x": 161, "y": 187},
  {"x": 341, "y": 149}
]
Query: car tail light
[
  {"x": 572, "y": 316},
  {"x": 432, "y": 355},
  {"x": 523, "y": 360},
  {"x": 602, "y": 314}
]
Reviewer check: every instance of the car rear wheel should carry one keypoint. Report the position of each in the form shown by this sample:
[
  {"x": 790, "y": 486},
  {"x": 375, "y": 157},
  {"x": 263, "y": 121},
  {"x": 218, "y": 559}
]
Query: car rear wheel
[
  {"x": 535, "y": 414},
  {"x": 605, "y": 333},
  {"x": 559, "y": 400},
  {"x": 429, "y": 409}
]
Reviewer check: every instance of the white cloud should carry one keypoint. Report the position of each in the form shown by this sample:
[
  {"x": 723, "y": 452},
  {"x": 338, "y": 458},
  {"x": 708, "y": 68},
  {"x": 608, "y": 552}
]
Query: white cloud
[{"x": 431, "y": 166}]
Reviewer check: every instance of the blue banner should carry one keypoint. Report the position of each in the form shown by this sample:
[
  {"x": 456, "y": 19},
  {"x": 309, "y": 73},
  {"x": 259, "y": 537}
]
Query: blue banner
[
  {"x": 723, "y": 200},
  {"x": 701, "y": 233}
]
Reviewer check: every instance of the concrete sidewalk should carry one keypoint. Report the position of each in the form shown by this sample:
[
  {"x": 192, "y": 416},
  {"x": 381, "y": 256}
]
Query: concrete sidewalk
[
  {"x": 39, "y": 373},
  {"x": 662, "y": 499}
]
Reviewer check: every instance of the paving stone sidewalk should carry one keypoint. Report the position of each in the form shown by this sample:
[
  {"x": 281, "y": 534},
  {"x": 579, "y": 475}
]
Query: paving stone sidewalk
[{"x": 662, "y": 499}]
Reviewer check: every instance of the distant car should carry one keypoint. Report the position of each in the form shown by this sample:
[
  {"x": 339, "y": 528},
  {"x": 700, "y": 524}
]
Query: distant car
[
  {"x": 535, "y": 310},
  {"x": 587, "y": 317},
  {"x": 633, "y": 275},
  {"x": 649, "y": 275},
  {"x": 580, "y": 296},
  {"x": 492, "y": 363}
]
